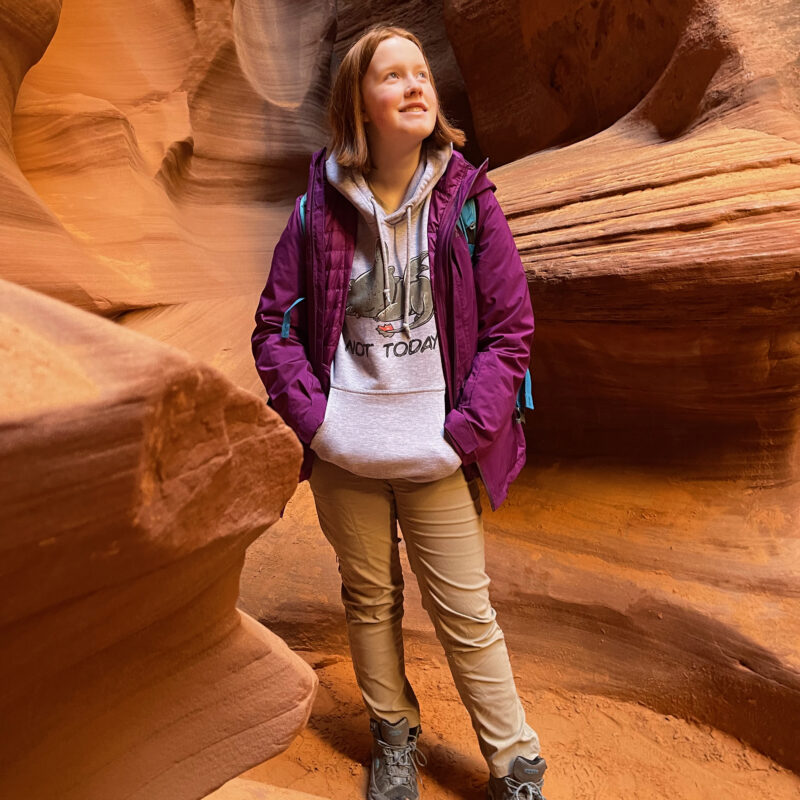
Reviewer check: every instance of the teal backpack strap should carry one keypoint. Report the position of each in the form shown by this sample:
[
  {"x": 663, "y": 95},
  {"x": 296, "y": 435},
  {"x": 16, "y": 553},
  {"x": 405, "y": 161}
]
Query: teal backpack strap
[
  {"x": 287, "y": 315},
  {"x": 525, "y": 396},
  {"x": 468, "y": 223},
  {"x": 287, "y": 318},
  {"x": 303, "y": 213}
]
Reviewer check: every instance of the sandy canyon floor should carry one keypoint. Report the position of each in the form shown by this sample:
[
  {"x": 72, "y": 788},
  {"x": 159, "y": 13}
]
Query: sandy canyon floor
[{"x": 596, "y": 747}]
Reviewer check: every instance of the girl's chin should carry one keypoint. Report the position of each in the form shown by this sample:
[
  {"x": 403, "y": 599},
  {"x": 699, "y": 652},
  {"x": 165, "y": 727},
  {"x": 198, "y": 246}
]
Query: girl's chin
[
  {"x": 407, "y": 135},
  {"x": 419, "y": 127}
]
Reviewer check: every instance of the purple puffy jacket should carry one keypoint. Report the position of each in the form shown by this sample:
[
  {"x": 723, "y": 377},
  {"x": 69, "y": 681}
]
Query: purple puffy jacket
[{"x": 482, "y": 308}]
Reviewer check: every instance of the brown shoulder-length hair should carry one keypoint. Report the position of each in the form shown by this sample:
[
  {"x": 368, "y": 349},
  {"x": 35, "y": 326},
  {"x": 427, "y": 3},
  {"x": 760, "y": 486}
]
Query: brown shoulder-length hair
[{"x": 349, "y": 140}]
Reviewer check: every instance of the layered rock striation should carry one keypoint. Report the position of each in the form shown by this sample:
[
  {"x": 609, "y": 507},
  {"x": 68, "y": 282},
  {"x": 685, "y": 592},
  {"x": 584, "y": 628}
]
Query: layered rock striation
[
  {"x": 663, "y": 502},
  {"x": 134, "y": 479},
  {"x": 158, "y": 160}
]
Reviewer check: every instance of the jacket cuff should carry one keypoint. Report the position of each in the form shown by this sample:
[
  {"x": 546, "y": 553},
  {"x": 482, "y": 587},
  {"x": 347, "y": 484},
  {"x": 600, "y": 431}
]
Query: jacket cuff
[
  {"x": 313, "y": 418},
  {"x": 461, "y": 437}
]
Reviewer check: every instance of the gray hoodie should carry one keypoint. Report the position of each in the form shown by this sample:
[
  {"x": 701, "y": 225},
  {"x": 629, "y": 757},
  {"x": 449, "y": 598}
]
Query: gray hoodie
[{"x": 386, "y": 407}]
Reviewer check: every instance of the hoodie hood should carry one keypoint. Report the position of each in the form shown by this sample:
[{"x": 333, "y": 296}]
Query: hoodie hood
[{"x": 351, "y": 183}]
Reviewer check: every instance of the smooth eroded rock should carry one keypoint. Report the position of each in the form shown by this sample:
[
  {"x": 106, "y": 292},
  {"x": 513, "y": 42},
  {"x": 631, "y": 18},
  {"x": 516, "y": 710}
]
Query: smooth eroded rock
[{"x": 134, "y": 479}]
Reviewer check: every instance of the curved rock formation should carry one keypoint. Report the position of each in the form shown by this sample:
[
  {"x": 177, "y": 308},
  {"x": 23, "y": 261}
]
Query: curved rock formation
[
  {"x": 544, "y": 73},
  {"x": 667, "y": 292},
  {"x": 134, "y": 479},
  {"x": 662, "y": 260},
  {"x": 282, "y": 72},
  {"x": 153, "y": 175},
  {"x": 36, "y": 249}
]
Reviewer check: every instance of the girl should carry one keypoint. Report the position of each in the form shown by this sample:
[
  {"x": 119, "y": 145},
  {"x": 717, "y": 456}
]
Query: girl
[{"x": 396, "y": 355}]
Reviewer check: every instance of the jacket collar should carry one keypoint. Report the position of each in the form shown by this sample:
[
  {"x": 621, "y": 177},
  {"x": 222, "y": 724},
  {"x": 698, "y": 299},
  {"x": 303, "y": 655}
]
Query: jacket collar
[{"x": 460, "y": 171}]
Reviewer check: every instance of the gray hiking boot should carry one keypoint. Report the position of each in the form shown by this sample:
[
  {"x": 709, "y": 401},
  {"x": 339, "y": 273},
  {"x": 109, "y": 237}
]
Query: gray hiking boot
[
  {"x": 393, "y": 769},
  {"x": 524, "y": 782}
]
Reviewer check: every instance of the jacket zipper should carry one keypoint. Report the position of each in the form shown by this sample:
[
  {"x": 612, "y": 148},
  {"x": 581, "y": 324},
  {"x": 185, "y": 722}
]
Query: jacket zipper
[{"x": 463, "y": 191}]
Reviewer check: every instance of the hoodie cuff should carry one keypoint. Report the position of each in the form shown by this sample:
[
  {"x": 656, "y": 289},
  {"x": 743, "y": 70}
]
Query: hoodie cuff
[
  {"x": 460, "y": 436},
  {"x": 314, "y": 417}
]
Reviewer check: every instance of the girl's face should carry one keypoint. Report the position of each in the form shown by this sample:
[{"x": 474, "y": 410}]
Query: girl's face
[{"x": 399, "y": 103}]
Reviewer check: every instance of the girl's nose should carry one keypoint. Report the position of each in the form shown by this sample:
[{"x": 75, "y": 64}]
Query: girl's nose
[{"x": 414, "y": 85}]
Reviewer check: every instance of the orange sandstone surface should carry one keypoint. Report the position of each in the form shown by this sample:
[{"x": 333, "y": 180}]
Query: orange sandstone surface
[
  {"x": 133, "y": 476},
  {"x": 646, "y": 567},
  {"x": 133, "y": 480}
]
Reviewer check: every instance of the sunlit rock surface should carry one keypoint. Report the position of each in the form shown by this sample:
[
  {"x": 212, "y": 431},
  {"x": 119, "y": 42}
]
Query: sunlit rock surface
[
  {"x": 159, "y": 160},
  {"x": 242, "y": 789},
  {"x": 134, "y": 476}
]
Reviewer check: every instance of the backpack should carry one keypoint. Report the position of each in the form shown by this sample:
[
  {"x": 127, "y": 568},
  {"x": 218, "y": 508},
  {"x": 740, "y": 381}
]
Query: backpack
[{"x": 467, "y": 224}]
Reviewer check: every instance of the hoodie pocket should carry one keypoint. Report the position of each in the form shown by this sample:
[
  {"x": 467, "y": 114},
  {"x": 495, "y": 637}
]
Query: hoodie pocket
[{"x": 386, "y": 434}]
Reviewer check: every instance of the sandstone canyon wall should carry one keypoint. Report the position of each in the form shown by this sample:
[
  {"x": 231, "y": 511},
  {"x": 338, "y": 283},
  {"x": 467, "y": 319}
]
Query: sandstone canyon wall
[
  {"x": 647, "y": 156},
  {"x": 133, "y": 480},
  {"x": 134, "y": 476},
  {"x": 662, "y": 254},
  {"x": 663, "y": 259}
]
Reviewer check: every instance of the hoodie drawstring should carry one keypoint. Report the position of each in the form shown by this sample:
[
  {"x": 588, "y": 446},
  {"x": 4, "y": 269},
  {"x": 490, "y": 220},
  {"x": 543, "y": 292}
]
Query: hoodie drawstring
[
  {"x": 407, "y": 272},
  {"x": 387, "y": 289}
]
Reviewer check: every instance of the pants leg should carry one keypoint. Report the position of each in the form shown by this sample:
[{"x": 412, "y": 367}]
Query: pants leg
[
  {"x": 443, "y": 531},
  {"x": 358, "y": 517}
]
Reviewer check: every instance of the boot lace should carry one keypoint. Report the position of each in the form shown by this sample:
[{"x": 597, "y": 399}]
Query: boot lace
[
  {"x": 523, "y": 791},
  {"x": 403, "y": 763}
]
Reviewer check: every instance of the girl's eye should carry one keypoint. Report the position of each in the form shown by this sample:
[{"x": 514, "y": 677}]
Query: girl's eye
[
  {"x": 422, "y": 74},
  {"x": 392, "y": 75}
]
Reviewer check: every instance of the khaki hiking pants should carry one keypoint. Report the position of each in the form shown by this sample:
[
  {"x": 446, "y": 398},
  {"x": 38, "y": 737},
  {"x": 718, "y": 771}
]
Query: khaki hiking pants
[{"x": 443, "y": 532}]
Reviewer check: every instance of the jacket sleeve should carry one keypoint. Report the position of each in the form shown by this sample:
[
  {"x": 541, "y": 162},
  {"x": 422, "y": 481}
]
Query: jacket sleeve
[
  {"x": 282, "y": 363},
  {"x": 505, "y": 335}
]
